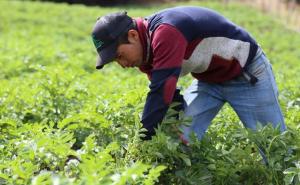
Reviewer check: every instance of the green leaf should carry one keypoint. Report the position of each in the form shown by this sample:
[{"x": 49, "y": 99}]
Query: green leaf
[{"x": 186, "y": 159}]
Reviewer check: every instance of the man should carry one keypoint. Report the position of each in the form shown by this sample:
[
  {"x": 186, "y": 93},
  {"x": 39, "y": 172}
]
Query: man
[{"x": 226, "y": 62}]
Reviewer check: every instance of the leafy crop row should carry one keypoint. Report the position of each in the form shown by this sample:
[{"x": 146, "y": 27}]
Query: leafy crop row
[{"x": 63, "y": 122}]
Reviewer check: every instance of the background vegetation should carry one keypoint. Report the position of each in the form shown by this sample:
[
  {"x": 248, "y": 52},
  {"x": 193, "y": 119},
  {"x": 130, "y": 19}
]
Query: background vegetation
[
  {"x": 114, "y": 2},
  {"x": 63, "y": 122}
]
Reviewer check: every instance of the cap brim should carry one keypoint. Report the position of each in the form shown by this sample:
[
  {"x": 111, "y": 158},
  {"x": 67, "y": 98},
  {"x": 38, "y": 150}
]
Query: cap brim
[{"x": 106, "y": 55}]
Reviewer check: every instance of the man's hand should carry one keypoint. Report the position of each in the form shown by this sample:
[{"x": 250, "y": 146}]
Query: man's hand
[{"x": 184, "y": 141}]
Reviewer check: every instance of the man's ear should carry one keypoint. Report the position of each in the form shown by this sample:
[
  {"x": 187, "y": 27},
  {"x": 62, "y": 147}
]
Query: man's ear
[{"x": 133, "y": 36}]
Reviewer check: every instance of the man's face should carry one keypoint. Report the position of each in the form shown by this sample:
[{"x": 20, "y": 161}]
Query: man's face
[{"x": 131, "y": 54}]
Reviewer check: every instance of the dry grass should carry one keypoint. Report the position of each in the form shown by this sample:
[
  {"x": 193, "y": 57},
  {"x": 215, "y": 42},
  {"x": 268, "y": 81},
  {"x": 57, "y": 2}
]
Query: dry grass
[{"x": 287, "y": 11}]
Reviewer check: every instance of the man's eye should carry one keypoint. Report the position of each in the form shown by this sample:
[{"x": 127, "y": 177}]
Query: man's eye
[{"x": 118, "y": 56}]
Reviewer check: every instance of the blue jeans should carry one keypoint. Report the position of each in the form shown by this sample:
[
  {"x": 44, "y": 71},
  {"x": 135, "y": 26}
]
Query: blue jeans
[{"x": 253, "y": 104}]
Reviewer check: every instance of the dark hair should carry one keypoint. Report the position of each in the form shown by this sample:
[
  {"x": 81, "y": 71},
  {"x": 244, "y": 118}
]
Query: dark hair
[{"x": 123, "y": 39}]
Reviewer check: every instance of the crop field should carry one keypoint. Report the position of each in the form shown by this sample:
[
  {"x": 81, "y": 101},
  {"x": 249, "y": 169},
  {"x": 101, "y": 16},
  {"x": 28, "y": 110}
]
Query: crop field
[{"x": 63, "y": 122}]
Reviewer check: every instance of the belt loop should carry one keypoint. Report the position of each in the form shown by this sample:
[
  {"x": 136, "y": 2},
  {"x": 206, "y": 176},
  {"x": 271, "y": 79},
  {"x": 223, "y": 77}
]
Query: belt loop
[{"x": 250, "y": 77}]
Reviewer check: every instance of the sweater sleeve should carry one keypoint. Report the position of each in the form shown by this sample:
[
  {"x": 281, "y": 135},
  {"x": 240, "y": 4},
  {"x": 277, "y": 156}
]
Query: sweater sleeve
[{"x": 168, "y": 46}]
